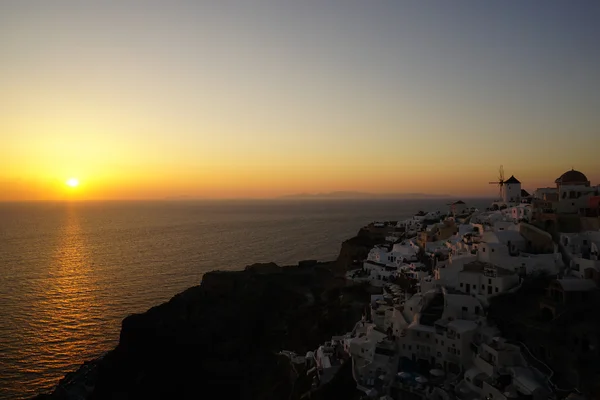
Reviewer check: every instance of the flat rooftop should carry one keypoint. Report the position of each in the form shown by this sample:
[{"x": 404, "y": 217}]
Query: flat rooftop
[{"x": 480, "y": 266}]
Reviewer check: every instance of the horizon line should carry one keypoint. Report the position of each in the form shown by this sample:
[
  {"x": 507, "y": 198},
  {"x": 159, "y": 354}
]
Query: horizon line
[{"x": 281, "y": 198}]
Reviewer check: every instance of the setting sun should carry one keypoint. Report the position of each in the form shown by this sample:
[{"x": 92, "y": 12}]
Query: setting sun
[{"x": 73, "y": 182}]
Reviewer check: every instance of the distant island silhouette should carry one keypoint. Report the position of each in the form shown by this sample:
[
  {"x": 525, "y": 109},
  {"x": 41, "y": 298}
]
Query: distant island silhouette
[
  {"x": 339, "y": 195},
  {"x": 343, "y": 195}
]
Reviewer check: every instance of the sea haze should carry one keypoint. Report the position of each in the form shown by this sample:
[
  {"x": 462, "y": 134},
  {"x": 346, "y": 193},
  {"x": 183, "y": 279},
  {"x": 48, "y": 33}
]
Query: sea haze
[{"x": 70, "y": 272}]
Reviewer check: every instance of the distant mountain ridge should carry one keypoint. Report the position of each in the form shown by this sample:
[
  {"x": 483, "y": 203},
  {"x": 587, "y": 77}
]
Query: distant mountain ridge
[{"x": 364, "y": 195}]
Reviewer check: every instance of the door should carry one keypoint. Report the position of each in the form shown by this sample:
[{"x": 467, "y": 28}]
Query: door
[
  {"x": 489, "y": 289},
  {"x": 468, "y": 286}
]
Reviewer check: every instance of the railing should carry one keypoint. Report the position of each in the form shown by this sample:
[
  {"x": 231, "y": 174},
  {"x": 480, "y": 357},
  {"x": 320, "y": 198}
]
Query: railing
[{"x": 538, "y": 363}]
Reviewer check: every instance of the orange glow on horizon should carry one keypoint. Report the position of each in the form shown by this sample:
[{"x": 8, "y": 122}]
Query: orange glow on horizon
[{"x": 193, "y": 101}]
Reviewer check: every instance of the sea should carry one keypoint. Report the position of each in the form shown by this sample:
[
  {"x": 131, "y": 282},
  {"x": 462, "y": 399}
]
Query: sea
[{"x": 70, "y": 272}]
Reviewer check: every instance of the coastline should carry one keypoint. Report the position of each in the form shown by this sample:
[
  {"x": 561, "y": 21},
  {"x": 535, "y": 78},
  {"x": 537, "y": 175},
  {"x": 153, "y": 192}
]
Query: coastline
[
  {"x": 253, "y": 333},
  {"x": 277, "y": 307}
]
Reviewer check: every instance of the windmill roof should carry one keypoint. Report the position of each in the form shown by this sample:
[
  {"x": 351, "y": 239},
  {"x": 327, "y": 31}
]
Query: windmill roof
[
  {"x": 524, "y": 193},
  {"x": 512, "y": 179}
]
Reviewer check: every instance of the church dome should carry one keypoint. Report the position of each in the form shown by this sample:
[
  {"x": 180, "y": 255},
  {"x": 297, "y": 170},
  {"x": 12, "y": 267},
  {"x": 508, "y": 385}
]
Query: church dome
[{"x": 571, "y": 176}]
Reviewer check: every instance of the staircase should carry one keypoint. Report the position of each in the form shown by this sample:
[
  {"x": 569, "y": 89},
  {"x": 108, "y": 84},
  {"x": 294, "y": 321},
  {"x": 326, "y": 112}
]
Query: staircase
[{"x": 433, "y": 310}]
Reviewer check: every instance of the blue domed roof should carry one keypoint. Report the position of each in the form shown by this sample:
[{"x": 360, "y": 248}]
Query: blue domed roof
[{"x": 572, "y": 176}]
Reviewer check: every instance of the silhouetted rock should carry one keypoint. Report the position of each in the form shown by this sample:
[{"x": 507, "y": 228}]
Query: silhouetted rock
[
  {"x": 356, "y": 249},
  {"x": 221, "y": 339},
  {"x": 268, "y": 268}
]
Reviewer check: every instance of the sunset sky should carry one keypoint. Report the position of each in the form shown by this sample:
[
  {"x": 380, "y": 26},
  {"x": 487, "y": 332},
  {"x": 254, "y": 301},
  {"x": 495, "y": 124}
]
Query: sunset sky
[{"x": 215, "y": 99}]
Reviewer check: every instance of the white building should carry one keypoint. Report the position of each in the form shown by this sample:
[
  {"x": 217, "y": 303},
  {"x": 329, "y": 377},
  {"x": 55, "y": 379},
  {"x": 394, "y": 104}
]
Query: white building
[
  {"x": 328, "y": 359},
  {"x": 499, "y": 371},
  {"x": 437, "y": 328},
  {"x": 521, "y": 212},
  {"x": 373, "y": 356},
  {"x": 379, "y": 273},
  {"x": 447, "y": 274},
  {"x": 582, "y": 251},
  {"x": 572, "y": 192},
  {"x": 574, "y": 197},
  {"x": 511, "y": 193},
  {"x": 544, "y": 193},
  {"x": 486, "y": 280},
  {"x": 441, "y": 330},
  {"x": 399, "y": 253}
]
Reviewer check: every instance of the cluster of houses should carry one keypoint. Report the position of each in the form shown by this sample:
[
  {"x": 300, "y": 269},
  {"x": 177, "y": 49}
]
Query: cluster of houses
[{"x": 434, "y": 342}]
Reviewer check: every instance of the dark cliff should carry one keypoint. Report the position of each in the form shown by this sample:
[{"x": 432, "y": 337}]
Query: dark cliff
[
  {"x": 357, "y": 249},
  {"x": 221, "y": 338}
]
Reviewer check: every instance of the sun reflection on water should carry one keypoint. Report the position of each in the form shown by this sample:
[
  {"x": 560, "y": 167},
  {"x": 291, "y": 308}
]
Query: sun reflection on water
[{"x": 68, "y": 305}]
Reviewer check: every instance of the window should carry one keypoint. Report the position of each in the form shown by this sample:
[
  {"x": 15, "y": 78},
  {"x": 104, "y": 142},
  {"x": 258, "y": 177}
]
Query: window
[
  {"x": 404, "y": 346},
  {"x": 427, "y": 335},
  {"x": 436, "y": 341},
  {"x": 496, "y": 289},
  {"x": 493, "y": 250},
  {"x": 409, "y": 347},
  {"x": 476, "y": 309},
  {"x": 465, "y": 309},
  {"x": 442, "y": 342},
  {"x": 458, "y": 352},
  {"x": 490, "y": 281},
  {"x": 458, "y": 335},
  {"x": 461, "y": 284},
  {"x": 483, "y": 249},
  {"x": 439, "y": 354}
]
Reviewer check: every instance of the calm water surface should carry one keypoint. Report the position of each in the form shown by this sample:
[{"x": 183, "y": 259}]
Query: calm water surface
[{"x": 69, "y": 273}]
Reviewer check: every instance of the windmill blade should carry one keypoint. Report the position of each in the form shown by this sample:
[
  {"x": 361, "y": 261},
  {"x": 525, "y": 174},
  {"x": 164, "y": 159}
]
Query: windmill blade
[{"x": 501, "y": 173}]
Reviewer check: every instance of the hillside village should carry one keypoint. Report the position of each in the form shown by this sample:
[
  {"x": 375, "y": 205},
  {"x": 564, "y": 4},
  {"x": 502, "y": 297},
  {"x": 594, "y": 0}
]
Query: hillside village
[{"x": 488, "y": 304}]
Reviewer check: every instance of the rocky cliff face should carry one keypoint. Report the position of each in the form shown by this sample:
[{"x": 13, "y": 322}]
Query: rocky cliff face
[
  {"x": 220, "y": 339},
  {"x": 356, "y": 248}
]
